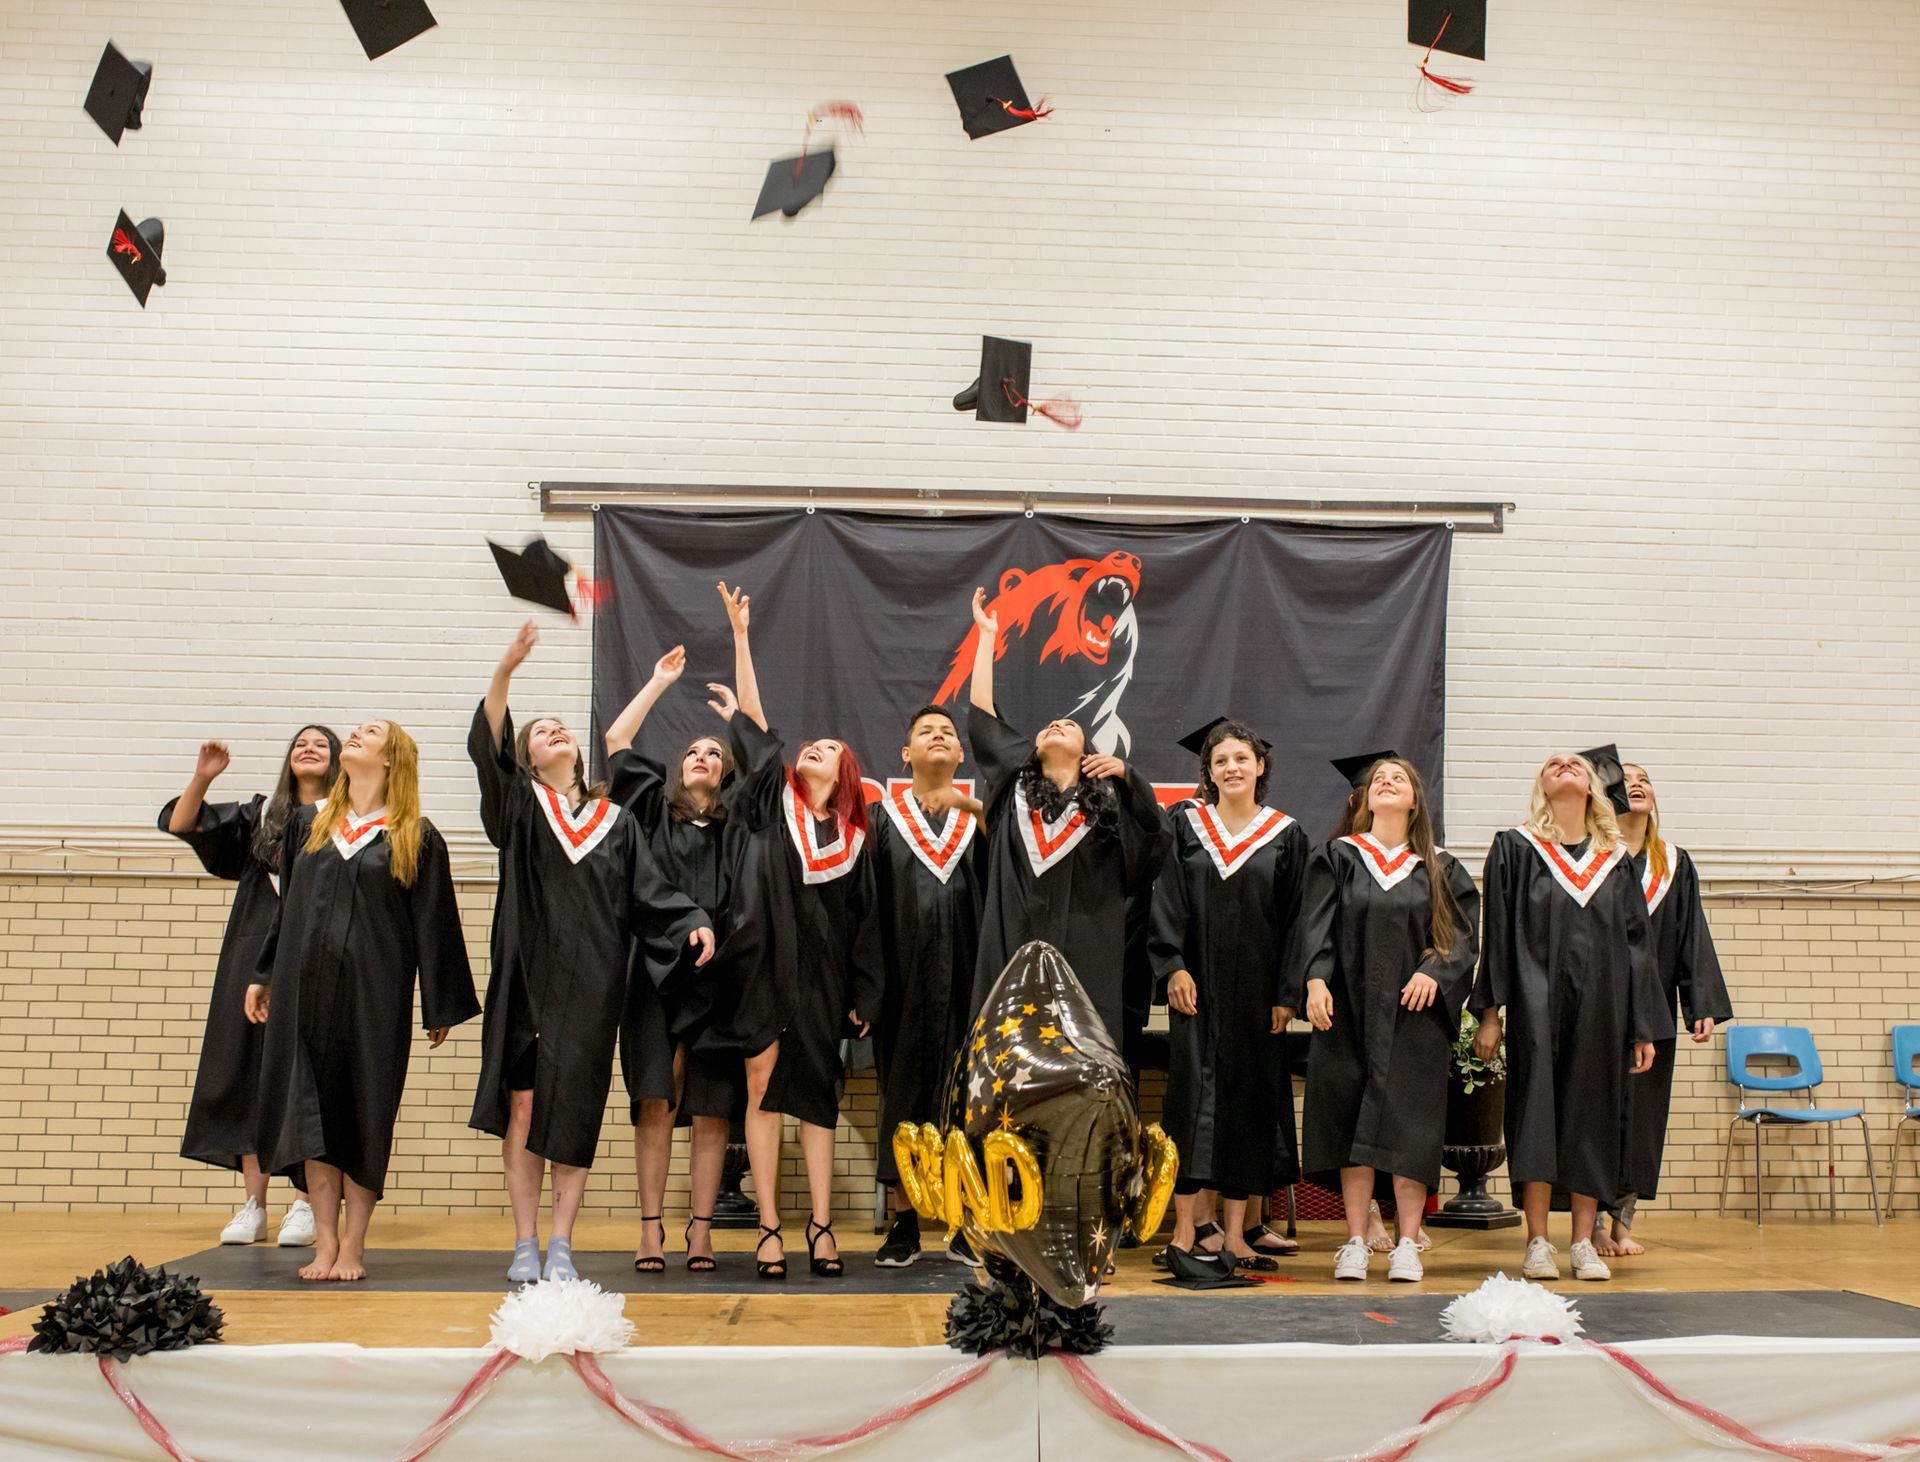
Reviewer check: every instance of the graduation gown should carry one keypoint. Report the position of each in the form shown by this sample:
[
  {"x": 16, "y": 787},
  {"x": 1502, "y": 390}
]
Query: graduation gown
[
  {"x": 220, "y": 1116},
  {"x": 1565, "y": 948},
  {"x": 1223, "y": 911},
  {"x": 928, "y": 880},
  {"x": 700, "y": 858},
  {"x": 1689, "y": 970},
  {"x": 577, "y": 889},
  {"x": 1377, "y": 1080},
  {"x": 341, "y": 960},
  {"x": 804, "y": 945},
  {"x": 1065, "y": 884}
]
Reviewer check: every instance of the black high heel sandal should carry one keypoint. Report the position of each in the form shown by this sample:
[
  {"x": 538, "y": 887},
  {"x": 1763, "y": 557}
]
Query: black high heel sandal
[
  {"x": 825, "y": 1268},
  {"x": 769, "y": 1268},
  {"x": 652, "y": 1264},
  {"x": 698, "y": 1263}
]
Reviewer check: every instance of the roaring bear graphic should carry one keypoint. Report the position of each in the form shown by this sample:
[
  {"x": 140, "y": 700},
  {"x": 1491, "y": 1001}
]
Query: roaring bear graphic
[{"x": 1074, "y": 624}]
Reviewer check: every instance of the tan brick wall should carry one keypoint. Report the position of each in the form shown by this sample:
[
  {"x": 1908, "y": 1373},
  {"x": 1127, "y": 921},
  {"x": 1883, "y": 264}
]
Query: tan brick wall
[{"x": 104, "y": 980}]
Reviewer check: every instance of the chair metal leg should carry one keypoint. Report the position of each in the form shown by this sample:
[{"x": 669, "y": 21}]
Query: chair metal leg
[
  {"x": 1726, "y": 1166},
  {"x": 1873, "y": 1182},
  {"x": 1833, "y": 1202},
  {"x": 1759, "y": 1142}
]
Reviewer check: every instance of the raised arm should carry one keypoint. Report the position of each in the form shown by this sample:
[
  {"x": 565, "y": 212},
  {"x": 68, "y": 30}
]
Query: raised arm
[
  {"x": 516, "y": 654},
  {"x": 986, "y": 644},
  {"x": 209, "y": 764},
  {"x": 627, "y": 724},
  {"x": 746, "y": 685}
]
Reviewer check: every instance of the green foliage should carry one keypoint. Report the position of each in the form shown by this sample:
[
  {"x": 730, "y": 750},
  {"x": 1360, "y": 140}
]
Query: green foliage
[{"x": 1468, "y": 1068}]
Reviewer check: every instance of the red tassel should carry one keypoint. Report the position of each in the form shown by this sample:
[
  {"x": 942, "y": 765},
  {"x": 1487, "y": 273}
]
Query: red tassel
[
  {"x": 1026, "y": 114},
  {"x": 592, "y": 593},
  {"x": 1062, "y": 411},
  {"x": 1445, "y": 83},
  {"x": 124, "y": 245},
  {"x": 848, "y": 112}
]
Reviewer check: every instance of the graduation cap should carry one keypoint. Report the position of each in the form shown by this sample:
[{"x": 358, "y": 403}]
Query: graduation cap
[
  {"x": 1196, "y": 741},
  {"x": 999, "y": 392},
  {"x": 118, "y": 92},
  {"x": 794, "y": 182},
  {"x": 1457, "y": 27},
  {"x": 536, "y": 573},
  {"x": 991, "y": 98},
  {"x": 1613, "y": 776},
  {"x": 1355, "y": 768},
  {"x": 383, "y": 25},
  {"x": 135, "y": 252}
]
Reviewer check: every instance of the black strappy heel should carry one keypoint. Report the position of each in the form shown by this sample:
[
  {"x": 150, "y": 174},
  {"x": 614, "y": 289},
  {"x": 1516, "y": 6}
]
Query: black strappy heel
[
  {"x": 769, "y": 1268},
  {"x": 652, "y": 1264},
  {"x": 825, "y": 1268},
  {"x": 698, "y": 1263}
]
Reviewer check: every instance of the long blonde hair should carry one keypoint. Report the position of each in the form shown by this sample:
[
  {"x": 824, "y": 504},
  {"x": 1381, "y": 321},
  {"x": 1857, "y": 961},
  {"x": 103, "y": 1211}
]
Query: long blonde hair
[
  {"x": 1656, "y": 849},
  {"x": 1442, "y": 913},
  {"x": 1602, "y": 826},
  {"x": 403, "y": 807}
]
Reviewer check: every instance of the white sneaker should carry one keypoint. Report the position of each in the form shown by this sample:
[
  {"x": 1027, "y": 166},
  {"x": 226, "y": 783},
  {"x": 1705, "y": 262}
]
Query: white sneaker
[
  {"x": 1351, "y": 1262},
  {"x": 248, "y": 1226},
  {"x": 296, "y": 1226},
  {"x": 1405, "y": 1264},
  {"x": 1587, "y": 1263},
  {"x": 1540, "y": 1262}
]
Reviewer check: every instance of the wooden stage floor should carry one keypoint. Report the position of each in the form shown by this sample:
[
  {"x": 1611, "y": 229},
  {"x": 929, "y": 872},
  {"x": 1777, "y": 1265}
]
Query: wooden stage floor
[{"x": 40, "y": 1252}]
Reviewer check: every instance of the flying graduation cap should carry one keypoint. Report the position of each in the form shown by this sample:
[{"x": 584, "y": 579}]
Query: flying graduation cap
[
  {"x": 991, "y": 98},
  {"x": 539, "y": 575},
  {"x": 1196, "y": 741},
  {"x": 1457, "y": 27},
  {"x": 383, "y": 25},
  {"x": 1613, "y": 776},
  {"x": 999, "y": 392},
  {"x": 1355, "y": 768},
  {"x": 794, "y": 182},
  {"x": 135, "y": 252},
  {"x": 118, "y": 92}
]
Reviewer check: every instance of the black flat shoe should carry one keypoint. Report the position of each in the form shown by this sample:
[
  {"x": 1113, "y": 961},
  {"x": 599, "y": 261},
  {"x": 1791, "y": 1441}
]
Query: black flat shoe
[
  {"x": 652, "y": 1264},
  {"x": 1267, "y": 1241},
  {"x": 769, "y": 1268},
  {"x": 699, "y": 1263},
  {"x": 825, "y": 1268}
]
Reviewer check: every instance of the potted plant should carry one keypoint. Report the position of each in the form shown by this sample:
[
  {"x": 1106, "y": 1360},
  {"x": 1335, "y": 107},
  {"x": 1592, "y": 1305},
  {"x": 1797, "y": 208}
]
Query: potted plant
[{"x": 1475, "y": 1142}]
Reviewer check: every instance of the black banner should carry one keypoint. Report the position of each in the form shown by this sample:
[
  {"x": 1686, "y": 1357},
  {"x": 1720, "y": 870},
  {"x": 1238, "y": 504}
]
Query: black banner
[{"x": 1328, "y": 641}]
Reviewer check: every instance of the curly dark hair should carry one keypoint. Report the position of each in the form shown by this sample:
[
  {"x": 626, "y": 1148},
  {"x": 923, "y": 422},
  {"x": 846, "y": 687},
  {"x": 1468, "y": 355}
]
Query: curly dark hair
[
  {"x": 1232, "y": 730},
  {"x": 1097, "y": 801}
]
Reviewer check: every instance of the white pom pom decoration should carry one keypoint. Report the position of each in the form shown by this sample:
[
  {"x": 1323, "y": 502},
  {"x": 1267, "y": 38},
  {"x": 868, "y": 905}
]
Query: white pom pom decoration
[
  {"x": 560, "y": 1317},
  {"x": 1503, "y": 1309}
]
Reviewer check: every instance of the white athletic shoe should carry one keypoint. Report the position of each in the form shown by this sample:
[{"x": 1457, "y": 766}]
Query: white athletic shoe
[
  {"x": 1351, "y": 1262},
  {"x": 296, "y": 1226},
  {"x": 248, "y": 1226},
  {"x": 1540, "y": 1261},
  {"x": 1405, "y": 1264},
  {"x": 1587, "y": 1263}
]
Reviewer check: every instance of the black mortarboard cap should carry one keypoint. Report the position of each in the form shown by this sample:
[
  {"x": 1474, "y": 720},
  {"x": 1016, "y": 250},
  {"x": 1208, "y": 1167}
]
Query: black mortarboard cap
[
  {"x": 135, "y": 251},
  {"x": 1195, "y": 741},
  {"x": 1004, "y": 364},
  {"x": 1355, "y": 768},
  {"x": 536, "y": 573},
  {"x": 383, "y": 25},
  {"x": 1613, "y": 776},
  {"x": 1457, "y": 27},
  {"x": 118, "y": 92},
  {"x": 991, "y": 98},
  {"x": 794, "y": 182}
]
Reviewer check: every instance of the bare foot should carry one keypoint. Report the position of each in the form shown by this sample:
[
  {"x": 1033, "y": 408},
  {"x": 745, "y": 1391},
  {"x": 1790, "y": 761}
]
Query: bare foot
[
  {"x": 1605, "y": 1247},
  {"x": 1377, "y": 1239},
  {"x": 350, "y": 1265},
  {"x": 1624, "y": 1242},
  {"x": 325, "y": 1251}
]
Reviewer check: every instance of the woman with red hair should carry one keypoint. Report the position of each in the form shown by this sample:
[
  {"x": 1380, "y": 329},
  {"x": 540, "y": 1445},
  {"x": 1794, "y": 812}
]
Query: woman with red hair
[{"x": 801, "y": 966}]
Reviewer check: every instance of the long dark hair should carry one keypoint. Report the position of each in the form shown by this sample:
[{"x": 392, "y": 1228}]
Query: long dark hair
[
  {"x": 1443, "y": 917},
  {"x": 1097, "y": 801},
  {"x": 1231, "y": 730},
  {"x": 680, "y": 804},
  {"x": 522, "y": 753},
  {"x": 272, "y": 826}
]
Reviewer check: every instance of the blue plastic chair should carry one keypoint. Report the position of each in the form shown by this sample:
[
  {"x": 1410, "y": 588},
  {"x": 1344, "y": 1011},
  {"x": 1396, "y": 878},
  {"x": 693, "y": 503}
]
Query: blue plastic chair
[
  {"x": 1745, "y": 1042},
  {"x": 1906, "y": 1048}
]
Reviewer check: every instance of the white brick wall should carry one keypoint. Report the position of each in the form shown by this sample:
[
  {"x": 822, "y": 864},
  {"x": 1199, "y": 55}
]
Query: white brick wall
[{"x": 1654, "y": 282}]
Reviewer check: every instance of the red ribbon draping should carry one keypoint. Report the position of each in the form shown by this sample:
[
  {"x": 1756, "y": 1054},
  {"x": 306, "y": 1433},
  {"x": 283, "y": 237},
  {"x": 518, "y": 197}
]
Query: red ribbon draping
[
  {"x": 14, "y": 1344},
  {"x": 471, "y": 1395},
  {"x": 149, "y": 1423}
]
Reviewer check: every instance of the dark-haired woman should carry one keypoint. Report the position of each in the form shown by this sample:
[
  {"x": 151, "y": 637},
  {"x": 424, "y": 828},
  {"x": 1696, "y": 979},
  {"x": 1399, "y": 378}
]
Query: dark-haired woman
[
  {"x": 803, "y": 967},
  {"x": 698, "y": 848},
  {"x": 1222, "y": 914},
  {"x": 1385, "y": 951},
  {"x": 578, "y": 887},
  {"x": 1071, "y": 837},
  {"x": 240, "y": 841}
]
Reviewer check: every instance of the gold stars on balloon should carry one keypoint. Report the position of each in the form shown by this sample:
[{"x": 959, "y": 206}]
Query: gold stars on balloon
[
  {"x": 1028, "y": 1008},
  {"x": 1049, "y": 1033},
  {"x": 980, "y": 1044},
  {"x": 999, "y": 1085},
  {"x": 1010, "y": 1026},
  {"x": 1006, "y": 1120}
]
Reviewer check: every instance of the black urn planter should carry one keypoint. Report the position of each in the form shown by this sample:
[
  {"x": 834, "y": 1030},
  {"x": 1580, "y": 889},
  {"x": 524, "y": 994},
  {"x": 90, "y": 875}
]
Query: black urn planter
[{"x": 1475, "y": 1146}]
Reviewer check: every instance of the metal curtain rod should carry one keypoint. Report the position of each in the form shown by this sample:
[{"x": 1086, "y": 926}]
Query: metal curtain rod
[{"x": 579, "y": 499}]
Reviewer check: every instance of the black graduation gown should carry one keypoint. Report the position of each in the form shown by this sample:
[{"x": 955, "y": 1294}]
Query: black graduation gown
[
  {"x": 1689, "y": 968},
  {"x": 1229, "y": 1102},
  {"x": 220, "y": 1117},
  {"x": 1377, "y": 1080},
  {"x": 1079, "y": 904},
  {"x": 799, "y": 955},
  {"x": 341, "y": 960},
  {"x": 577, "y": 889},
  {"x": 929, "y": 940},
  {"x": 701, "y": 859},
  {"x": 1579, "y": 987}
]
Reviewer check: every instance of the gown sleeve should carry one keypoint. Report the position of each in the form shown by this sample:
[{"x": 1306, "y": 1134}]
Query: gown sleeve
[
  {"x": 222, "y": 838},
  {"x": 1649, "y": 1011},
  {"x": 760, "y": 776},
  {"x": 1310, "y": 952},
  {"x": 1172, "y": 917},
  {"x": 639, "y": 784},
  {"x": 440, "y": 945},
  {"x": 1454, "y": 974},
  {"x": 867, "y": 966},
  {"x": 1703, "y": 989},
  {"x": 1146, "y": 833},
  {"x": 999, "y": 749},
  {"x": 501, "y": 776},
  {"x": 1289, "y": 896},
  {"x": 661, "y": 917},
  {"x": 1497, "y": 953}
]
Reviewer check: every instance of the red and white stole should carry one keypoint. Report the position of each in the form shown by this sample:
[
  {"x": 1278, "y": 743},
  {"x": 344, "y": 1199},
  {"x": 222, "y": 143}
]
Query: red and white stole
[
  {"x": 1657, "y": 889},
  {"x": 1390, "y": 867},
  {"x": 1228, "y": 856},
  {"x": 938, "y": 850},
  {"x": 351, "y": 833},
  {"x": 819, "y": 862},
  {"x": 1580, "y": 877},
  {"x": 1047, "y": 843},
  {"x": 579, "y": 832}
]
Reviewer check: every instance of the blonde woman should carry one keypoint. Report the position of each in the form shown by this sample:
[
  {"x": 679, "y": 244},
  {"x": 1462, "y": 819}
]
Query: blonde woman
[
  {"x": 1565, "y": 949},
  {"x": 366, "y": 902}
]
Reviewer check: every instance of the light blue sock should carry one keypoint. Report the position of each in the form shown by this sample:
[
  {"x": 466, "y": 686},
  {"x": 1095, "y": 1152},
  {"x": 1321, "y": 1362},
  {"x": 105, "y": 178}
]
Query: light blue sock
[
  {"x": 526, "y": 1262},
  {"x": 560, "y": 1260}
]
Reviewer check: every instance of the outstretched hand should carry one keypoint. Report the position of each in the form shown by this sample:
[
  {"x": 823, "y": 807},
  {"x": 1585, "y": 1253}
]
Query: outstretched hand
[
  {"x": 985, "y": 622},
  {"x": 737, "y": 602},
  {"x": 668, "y": 667},
  {"x": 520, "y": 647},
  {"x": 726, "y": 704},
  {"x": 212, "y": 761}
]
